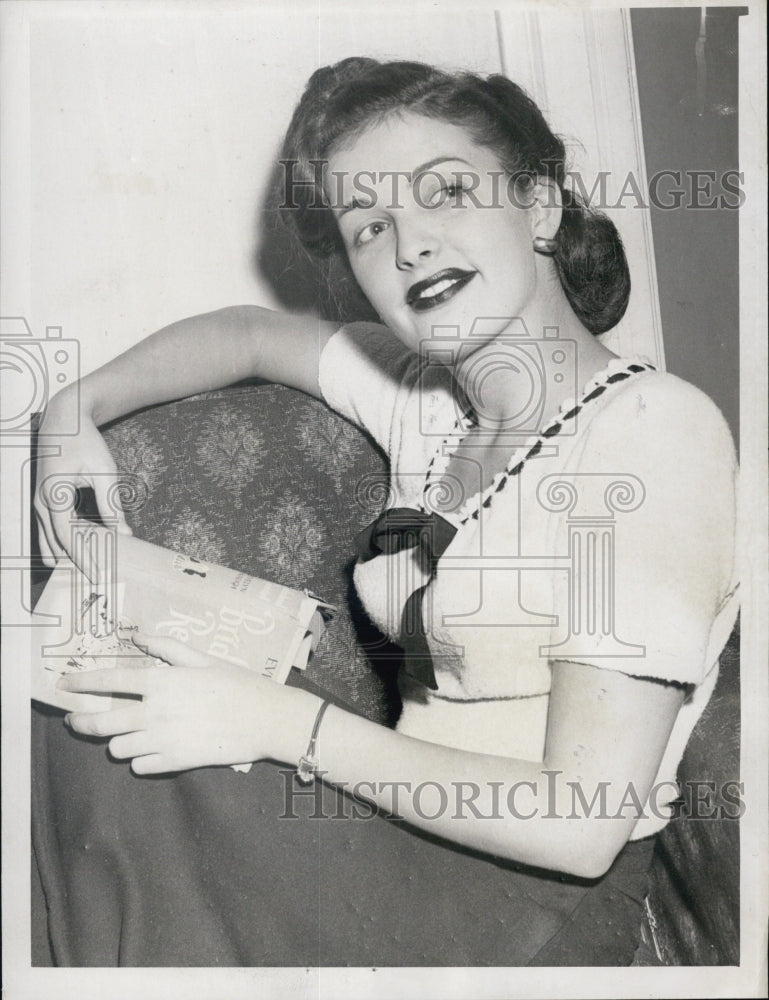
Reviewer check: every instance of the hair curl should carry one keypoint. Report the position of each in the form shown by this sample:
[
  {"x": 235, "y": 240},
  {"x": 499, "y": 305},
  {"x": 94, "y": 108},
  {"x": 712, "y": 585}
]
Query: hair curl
[{"x": 343, "y": 100}]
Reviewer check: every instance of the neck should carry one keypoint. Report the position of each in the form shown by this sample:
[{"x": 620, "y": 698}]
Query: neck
[{"x": 523, "y": 370}]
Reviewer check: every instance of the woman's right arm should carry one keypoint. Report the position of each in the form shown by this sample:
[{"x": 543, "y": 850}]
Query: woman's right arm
[{"x": 194, "y": 355}]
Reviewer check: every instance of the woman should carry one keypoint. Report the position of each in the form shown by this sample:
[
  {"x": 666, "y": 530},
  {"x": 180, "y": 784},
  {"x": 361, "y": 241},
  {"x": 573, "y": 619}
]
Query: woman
[{"x": 546, "y": 730}]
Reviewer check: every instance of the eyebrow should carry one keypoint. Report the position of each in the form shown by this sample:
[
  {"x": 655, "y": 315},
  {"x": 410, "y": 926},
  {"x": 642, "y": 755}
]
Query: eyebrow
[
  {"x": 415, "y": 174},
  {"x": 348, "y": 208},
  {"x": 423, "y": 168}
]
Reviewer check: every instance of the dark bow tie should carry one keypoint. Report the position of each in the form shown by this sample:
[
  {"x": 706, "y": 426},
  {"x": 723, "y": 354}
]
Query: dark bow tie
[{"x": 401, "y": 528}]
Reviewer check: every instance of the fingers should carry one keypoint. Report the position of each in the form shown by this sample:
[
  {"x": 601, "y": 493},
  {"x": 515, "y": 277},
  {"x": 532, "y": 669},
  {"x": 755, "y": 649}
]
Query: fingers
[
  {"x": 50, "y": 551},
  {"x": 126, "y": 719},
  {"x": 92, "y": 553},
  {"x": 153, "y": 763},
  {"x": 172, "y": 651},
  {"x": 54, "y": 505},
  {"x": 55, "y": 531},
  {"x": 117, "y": 680},
  {"x": 45, "y": 549},
  {"x": 55, "y": 510},
  {"x": 61, "y": 530},
  {"x": 106, "y": 488},
  {"x": 127, "y": 745},
  {"x": 134, "y": 744}
]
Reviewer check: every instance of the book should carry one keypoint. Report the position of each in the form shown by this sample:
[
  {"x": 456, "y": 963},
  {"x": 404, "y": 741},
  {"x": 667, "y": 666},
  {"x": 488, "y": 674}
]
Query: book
[{"x": 85, "y": 622}]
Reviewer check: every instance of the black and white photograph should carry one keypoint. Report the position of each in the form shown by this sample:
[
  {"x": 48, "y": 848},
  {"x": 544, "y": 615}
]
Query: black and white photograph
[{"x": 384, "y": 499}]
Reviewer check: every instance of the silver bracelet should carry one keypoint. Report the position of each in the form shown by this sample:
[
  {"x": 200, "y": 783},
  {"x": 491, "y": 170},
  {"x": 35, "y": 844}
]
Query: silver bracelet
[{"x": 308, "y": 763}]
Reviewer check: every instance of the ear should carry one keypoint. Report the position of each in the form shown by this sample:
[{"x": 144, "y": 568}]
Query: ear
[{"x": 546, "y": 208}]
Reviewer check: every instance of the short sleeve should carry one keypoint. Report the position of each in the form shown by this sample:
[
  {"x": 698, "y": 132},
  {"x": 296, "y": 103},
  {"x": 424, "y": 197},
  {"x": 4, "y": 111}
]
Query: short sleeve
[
  {"x": 363, "y": 369},
  {"x": 655, "y": 557}
]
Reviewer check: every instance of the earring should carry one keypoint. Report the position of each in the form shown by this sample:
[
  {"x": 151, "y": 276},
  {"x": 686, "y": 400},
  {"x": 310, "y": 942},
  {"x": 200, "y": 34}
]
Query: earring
[{"x": 545, "y": 245}]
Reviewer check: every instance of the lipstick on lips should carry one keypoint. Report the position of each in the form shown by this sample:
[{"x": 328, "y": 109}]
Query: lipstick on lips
[{"x": 437, "y": 288}]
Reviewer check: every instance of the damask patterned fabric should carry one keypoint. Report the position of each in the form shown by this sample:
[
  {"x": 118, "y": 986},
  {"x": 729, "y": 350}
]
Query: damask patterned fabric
[{"x": 216, "y": 492}]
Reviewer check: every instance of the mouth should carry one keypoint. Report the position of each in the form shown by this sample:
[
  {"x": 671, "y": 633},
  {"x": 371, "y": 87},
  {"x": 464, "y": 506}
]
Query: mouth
[{"x": 438, "y": 288}]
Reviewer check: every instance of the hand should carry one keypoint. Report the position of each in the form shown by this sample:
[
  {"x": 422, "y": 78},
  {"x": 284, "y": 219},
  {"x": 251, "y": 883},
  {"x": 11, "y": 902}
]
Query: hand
[
  {"x": 198, "y": 713},
  {"x": 82, "y": 460}
]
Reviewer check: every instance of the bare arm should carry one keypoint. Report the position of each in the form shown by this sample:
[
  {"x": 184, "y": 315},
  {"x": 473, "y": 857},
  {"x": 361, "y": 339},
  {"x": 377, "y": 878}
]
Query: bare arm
[
  {"x": 605, "y": 731},
  {"x": 194, "y": 355},
  {"x": 606, "y": 736},
  {"x": 207, "y": 352}
]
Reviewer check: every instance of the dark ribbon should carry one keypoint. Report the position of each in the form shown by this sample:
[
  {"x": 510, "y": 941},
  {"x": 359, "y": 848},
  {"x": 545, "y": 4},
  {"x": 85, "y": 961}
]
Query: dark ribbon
[{"x": 401, "y": 528}]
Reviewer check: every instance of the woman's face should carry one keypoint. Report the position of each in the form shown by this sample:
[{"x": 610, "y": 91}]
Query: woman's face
[{"x": 428, "y": 251}]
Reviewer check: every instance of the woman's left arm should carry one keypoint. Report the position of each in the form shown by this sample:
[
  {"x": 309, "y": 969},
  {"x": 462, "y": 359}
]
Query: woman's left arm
[{"x": 572, "y": 812}]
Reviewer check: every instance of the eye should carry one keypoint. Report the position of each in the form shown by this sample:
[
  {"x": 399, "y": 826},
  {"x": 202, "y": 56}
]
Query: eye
[
  {"x": 370, "y": 232},
  {"x": 447, "y": 193}
]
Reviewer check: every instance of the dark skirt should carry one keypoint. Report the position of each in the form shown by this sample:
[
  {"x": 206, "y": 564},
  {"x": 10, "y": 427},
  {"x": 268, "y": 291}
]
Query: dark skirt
[{"x": 214, "y": 868}]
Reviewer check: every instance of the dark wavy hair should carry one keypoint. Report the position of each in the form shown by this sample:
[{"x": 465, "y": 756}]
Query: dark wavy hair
[{"x": 342, "y": 101}]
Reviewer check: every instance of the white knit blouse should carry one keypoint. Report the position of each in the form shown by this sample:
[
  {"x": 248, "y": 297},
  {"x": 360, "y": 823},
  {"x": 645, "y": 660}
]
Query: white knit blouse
[{"x": 612, "y": 546}]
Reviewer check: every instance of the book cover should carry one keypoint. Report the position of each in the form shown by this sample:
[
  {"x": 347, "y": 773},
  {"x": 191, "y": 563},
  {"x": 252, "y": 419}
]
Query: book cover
[{"x": 86, "y": 622}]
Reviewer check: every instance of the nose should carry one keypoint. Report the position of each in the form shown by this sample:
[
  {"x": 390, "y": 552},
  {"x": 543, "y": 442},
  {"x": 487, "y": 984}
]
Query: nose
[{"x": 416, "y": 244}]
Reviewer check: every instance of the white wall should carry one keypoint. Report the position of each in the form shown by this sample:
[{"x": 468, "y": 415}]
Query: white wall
[
  {"x": 153, "y": 134},
  {"x": 152, "y": 130}
]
